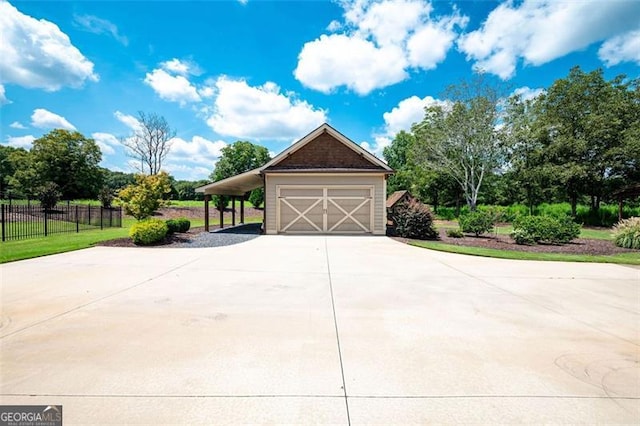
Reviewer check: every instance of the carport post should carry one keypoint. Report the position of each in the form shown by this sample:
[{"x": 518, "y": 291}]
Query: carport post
[
  {"x": 233, "y": 210},
  {"x": 242, "y": 210},
  {"x": 207, "y": 197}
]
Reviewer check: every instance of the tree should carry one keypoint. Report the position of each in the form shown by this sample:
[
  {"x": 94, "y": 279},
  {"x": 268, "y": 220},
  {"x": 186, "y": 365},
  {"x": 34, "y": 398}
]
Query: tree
[
  {"x": 150, "y": 142},
  {"x": 397, "y": 157},
  {"x": 117, "y": 180},
  {"x": 239, "y": 157},
  {"x": 584, "y": 126},
  {"x": 68, "y": 159},
  {"x": 146, "y": 196},
  {"x": 9, "y": 164},
  {"x": 462, "y": 141}
]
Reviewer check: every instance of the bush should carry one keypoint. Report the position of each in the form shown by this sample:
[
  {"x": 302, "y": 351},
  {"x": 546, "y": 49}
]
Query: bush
[
  {"x": 178, "y": 225},
  {"x": 478, "y": 222},
  {"x": 257, "y": 197},
  {"x": 446, "y": 213},
  {"x": 626, "y": 233},
  {"x": 48, "y": 195},
  {"x": 547, "y": 229},
  {"x": 414, "y": 220},
  {"x": 148, "y": 231},
  {"x": 454, "y": 233},
  {"x": 146, "y": 196},
  {"x": 106, "y": 197},
  {"x": 522, "y": 237}
]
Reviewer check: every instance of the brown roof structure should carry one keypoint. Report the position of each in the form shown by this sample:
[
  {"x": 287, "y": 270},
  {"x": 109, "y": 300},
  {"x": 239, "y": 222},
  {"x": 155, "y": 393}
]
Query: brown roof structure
[{"x": 398, "y": 196}]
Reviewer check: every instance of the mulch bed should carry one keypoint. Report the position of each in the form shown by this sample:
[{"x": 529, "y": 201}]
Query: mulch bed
[
  {"x": 504, "y": 242},
  {"x": 168, "y": 241}
]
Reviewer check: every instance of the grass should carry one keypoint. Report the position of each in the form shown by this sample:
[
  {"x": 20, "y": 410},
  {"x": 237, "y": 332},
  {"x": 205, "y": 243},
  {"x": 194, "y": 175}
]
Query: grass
[
  {"x": 620, "y": 258},
  {"x": 59, "y": 243}
]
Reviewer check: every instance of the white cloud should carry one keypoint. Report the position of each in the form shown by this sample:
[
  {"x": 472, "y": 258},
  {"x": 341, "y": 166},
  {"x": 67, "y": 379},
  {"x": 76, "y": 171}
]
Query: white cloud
[
  {"x": 96, "y": 25},
  {"x": 401, "y": 117},
  {"x": 540, "y": 31},
  {"x": 107, "y": 142},
  {"x": 339, "y": 60},
  {"x": 260, "y": 112},
  {"x": 36, "y": 54},
  {"x": 174, "y": 88},
  {"x": 527, "y": 93},
  {"x": 381, "y": 41},
  {"x": 188, "y": 172},
  {"x": 128, "y": 120},
  {"x": 21, "y": 141},
  {"x": 3, "y": 97},
  {"x": 198, "y": 150},
  {"x": 622, "y": 48},
  {"x": 17, "y": 125},
  {"x": 243, "y": 2},
  {"x": 181, "y": 67},
  {"x": 43, "y": 119}
]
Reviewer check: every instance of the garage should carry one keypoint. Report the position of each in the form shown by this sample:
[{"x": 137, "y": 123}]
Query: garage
[
  {"x": 328, "y": 209},
  {"x": 322, "y": 184}
]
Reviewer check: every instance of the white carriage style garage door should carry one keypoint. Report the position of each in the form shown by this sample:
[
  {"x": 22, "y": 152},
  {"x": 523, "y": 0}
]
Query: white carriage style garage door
[{"x": 344, "y": 209}]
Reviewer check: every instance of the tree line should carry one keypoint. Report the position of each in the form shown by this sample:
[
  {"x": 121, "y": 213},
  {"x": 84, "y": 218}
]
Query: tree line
[
  {"x": 578, "y": 141},
  {"x": 64, "y": 164}
]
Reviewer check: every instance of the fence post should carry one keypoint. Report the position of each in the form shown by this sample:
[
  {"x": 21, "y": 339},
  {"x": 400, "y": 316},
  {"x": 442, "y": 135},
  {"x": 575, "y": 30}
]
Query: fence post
[
  {"x": 89, "y": 213},
  {"x": 3, "y": 236},
  {"x": 111, "y": 217},
  {"x": 101, "y": 214},
  {"x": 45, "y": 223},
  {"x": 77, "y": 220}
]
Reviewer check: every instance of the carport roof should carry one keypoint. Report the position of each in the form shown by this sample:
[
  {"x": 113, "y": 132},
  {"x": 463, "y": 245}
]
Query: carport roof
[{"x": 235, "y": 185}]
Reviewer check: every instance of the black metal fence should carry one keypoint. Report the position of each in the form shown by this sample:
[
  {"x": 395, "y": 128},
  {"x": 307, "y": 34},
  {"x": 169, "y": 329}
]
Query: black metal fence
[{"x": 32, "y": 220}]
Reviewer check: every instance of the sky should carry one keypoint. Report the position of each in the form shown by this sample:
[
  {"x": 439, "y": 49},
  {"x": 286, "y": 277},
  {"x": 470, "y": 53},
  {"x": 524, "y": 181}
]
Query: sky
[{"x": 272, "y": 71}]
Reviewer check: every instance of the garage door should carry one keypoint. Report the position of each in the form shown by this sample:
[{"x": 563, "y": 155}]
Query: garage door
[{"x": 325, "y": 209}]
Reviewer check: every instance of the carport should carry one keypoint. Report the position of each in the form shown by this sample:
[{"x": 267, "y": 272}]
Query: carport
[{"x": 236, "y": 187}]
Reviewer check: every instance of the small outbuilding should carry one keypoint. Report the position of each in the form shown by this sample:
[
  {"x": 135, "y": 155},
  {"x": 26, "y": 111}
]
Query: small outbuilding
[{"x": 322, "y": 184}]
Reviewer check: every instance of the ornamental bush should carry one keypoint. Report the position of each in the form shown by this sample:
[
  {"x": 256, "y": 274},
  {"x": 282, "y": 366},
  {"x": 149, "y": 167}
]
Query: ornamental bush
[
  {"x": 544, "y": 229},
  {"x": 478, "y": 222},
  {"x": 146, "y": 196},
  {"x": 178, "y": 225},
  {"x": 48, "y": 195},
  {"x": 414, "y": 220},
  {"x": 626, "y": 233},
  {"x": 148, "y": 231},
  {"x": 454, "y": 233}
]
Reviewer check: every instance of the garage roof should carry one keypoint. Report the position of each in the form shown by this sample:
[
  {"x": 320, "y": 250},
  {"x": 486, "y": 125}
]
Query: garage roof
[{"x": 240, "y": 184}]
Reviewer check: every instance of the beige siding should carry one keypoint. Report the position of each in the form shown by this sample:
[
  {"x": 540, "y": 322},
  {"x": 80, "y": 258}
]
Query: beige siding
[{"x": 378, "y": 182}]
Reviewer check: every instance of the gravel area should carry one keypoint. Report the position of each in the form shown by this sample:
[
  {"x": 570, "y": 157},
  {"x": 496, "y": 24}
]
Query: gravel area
[{"x": 222, "y": 237}]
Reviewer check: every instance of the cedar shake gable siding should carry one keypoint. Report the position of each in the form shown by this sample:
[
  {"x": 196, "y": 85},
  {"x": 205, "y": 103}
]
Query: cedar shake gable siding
[{"x": 324, "y": 152}]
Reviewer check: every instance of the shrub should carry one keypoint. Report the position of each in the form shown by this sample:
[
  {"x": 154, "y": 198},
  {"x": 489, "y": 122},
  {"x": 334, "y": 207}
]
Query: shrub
[
  {"x": 257, "y": 197},
  {"x": 547, "y": 229},
  {"x": 172, "y": 226},
  {"x": 146, "y": 196},
  {"x": 148, "y": 231},
  {"x": 446, "y": 213},
  {"x": 48, "y": 195},
  {"x": 522, "y": 237},
  {"x": 106, "y": 197},
  {"x": 478, "y": 222},
  {"x": 454, "y": 233},
  {"x": 178, "y": 225},
  {"x": 626, "y": 233},
  {"x": 414, "y": 220}
]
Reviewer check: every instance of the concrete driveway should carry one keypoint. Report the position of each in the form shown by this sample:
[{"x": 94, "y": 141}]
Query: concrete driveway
[{"x": 339, "y": 330}]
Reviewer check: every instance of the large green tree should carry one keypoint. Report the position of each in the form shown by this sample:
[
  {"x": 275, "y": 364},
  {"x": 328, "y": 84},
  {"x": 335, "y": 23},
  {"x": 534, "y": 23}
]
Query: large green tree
[
  {"x": 11, "y": 160},
  {"x": 68, "y": 159},
  {"x": 586, "y": 127},
  {"x": 463, "y": 140},
  {"x": 239, "y": 157}
]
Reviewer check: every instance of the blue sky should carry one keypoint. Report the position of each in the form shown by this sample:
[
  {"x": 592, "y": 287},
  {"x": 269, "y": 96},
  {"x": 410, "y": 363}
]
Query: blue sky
[{"x": 271, "y": 71}]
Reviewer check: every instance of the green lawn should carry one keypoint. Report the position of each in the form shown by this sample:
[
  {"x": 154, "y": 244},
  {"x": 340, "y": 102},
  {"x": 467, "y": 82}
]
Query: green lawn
[{"x": 621, "y": 258}]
